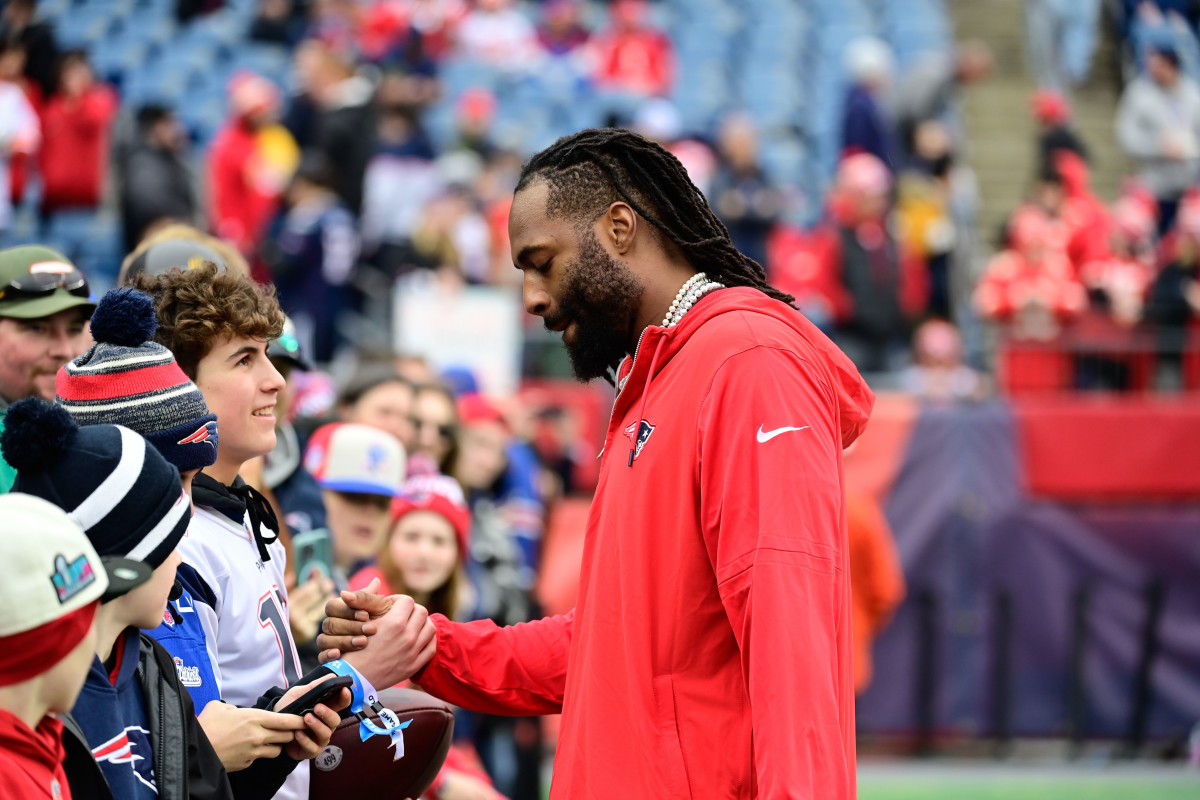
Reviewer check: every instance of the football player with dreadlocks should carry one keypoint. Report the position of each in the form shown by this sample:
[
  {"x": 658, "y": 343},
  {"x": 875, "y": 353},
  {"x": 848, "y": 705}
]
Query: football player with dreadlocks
[{"x": 709, "y": 653}]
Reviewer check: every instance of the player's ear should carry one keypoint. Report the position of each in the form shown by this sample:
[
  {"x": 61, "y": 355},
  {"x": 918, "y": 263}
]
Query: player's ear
[{"x": 620, "y": 226}]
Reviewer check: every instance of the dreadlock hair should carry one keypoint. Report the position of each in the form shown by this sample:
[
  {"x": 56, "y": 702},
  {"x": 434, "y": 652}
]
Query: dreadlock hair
[{"x": 590, "y": 170}]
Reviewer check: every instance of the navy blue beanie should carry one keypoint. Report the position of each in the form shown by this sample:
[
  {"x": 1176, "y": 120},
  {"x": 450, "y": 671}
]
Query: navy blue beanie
[{"x": 122, "y": 492}]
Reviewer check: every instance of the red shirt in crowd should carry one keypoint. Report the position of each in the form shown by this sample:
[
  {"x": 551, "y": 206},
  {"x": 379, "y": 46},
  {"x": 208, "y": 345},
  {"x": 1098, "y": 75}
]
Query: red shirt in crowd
[
  {"x": 74, "y": 155},
  {"x": 244, "y": 185},
  {"x": 31, "y": 760},
  {"x": 641, "y": 61},
  {"x": 1013, "y": 282}
]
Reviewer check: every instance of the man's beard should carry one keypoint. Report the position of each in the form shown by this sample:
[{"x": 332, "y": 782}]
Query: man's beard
[{"x": 600, "y": 295}]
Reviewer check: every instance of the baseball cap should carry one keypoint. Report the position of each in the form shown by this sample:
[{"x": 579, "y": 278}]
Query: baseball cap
[
  {"x": 51, "y": 581},
  {"x": 287, "y": 346},
  {"x": 169, "y": 254},
  {"x": 36, "y": 282},
  {"x": 349, "y": 457},
  {"x": 126, "y": 379},
  {"x": 440, "y": 494}
]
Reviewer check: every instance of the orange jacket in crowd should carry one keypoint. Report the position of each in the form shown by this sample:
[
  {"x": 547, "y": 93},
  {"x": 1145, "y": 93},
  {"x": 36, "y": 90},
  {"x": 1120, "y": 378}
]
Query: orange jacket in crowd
[{"x": 876, "y": 579}]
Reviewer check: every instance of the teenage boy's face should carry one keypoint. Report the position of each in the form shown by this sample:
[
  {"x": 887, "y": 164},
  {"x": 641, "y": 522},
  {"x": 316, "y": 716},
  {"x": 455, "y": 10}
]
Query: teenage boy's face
[
  {"x": 240, "y": 385},
  {"x": 144, "y": 606}
]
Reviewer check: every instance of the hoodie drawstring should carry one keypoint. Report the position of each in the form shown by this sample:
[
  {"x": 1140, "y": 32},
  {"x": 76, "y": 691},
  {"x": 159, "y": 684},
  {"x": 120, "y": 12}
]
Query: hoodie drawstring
[
  {"x": 261, "y": 515},
  {"x": 637, "y": 424}
]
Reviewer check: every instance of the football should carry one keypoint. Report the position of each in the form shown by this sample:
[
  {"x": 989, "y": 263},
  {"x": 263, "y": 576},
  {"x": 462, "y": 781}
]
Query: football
[{"x": 351, "y": 767}]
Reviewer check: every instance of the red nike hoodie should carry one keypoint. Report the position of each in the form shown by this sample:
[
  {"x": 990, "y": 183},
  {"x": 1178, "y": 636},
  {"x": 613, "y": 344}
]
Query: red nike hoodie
[{"x": 709, "y": 654}]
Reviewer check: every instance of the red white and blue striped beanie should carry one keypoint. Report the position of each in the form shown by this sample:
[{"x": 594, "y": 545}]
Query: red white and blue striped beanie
[
  {"x": 126, "y": 379},
  {"x": 119, "y": 489}
]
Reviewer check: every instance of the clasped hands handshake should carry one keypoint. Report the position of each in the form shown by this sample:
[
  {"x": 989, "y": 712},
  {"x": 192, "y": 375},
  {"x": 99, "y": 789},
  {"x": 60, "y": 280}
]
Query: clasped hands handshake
[{"x": 401, "y": 635}]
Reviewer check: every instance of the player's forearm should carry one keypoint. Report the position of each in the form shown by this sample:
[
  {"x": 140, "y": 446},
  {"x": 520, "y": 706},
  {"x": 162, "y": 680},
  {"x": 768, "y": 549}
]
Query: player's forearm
[{"x": 514, "y": 670}]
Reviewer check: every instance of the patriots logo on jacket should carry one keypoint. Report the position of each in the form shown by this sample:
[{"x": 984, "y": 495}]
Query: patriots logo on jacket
[
  {"x": 201, "y": 434},
  {"x": 125, "y": 748},
  {"x": 644, "y": 429}
]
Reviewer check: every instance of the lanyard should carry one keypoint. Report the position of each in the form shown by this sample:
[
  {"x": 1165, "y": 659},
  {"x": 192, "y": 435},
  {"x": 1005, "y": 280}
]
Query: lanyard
[{"x": 365, "y": 697}]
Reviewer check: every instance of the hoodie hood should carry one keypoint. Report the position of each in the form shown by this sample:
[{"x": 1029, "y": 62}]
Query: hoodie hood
[{"x": 659, "y": 345}]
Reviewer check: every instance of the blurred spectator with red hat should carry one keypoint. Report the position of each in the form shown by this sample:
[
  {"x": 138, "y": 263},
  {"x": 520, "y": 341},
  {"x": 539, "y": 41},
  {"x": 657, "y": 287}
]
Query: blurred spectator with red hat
[
  {"x": 474, "y": 115},
  {"x": 1173, "y": 302},
  {"x": 631, "y": 56},
  {"x": 507, "y": 522},
  {"x": 1084, "y": 215},
  {"x": 251, "y": 161},
  {"x": 1052, "y": 113},
  {"x": 427, "y": 545}
]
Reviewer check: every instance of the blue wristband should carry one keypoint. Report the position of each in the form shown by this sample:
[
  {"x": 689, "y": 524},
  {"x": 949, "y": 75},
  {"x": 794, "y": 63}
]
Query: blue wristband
[{"x": 364, "y": 696}]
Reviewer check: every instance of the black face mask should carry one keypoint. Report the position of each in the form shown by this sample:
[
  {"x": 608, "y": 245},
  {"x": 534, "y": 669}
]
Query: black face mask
[{"x": 599, "y": 294}]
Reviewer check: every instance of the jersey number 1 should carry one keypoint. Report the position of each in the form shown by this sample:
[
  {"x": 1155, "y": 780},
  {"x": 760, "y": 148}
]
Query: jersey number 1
[{"x": 270, "y": 613}]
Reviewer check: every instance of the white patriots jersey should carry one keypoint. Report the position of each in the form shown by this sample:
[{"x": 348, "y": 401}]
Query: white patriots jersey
[{"x": 246, "y": 628}]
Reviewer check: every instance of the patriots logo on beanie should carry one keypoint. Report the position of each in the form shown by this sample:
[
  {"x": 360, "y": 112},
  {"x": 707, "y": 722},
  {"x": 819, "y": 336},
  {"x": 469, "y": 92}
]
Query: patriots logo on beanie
[
  {"x": 205, "y": 434},
  {"x": 128, "y": 379}
]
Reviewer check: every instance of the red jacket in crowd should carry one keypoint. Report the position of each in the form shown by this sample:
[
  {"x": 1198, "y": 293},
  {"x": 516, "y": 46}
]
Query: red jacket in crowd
[
  {"x": 243, "y": 187},
  {"x": 709, "y": 653},
  {"x": 74, "y": 155},
  {"x": 1011, "y": 282}
]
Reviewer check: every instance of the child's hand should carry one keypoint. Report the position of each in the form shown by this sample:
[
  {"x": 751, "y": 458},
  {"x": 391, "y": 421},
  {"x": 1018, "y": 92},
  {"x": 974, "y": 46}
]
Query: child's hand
[
  {"x": 243, "y": 735},
  {"x": 320, "y": 724}
]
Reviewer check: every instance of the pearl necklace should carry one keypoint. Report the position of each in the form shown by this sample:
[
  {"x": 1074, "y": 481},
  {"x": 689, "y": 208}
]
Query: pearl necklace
[{"x": 692, "y": 290}]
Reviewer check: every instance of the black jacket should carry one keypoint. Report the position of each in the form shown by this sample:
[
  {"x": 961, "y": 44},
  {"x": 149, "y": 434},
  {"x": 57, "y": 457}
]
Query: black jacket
[{"x": 186, "y": 766}]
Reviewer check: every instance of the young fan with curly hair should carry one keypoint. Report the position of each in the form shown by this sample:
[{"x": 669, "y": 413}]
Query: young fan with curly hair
[{"x": 218, "y": 324}]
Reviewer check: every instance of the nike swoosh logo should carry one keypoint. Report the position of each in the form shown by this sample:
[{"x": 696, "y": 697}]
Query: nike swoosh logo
[{"x": 766, "y": 436}]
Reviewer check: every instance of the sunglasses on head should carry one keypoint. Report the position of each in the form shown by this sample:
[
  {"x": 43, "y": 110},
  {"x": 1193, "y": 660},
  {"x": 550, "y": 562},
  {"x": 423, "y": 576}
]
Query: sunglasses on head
[{"x": 42, "y": 284}]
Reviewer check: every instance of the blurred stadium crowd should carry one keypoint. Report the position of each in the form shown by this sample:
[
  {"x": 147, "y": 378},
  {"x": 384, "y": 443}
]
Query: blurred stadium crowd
[{"x": 352, "y": 150}]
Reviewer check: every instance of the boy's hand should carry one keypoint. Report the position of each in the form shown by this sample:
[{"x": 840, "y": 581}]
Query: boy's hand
[
  {"x": 320, "y": 724},
  {"x": 406, "y": 641},
  {"x": 348, "y": 621},
  {"x": 242, "y": 735}
]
